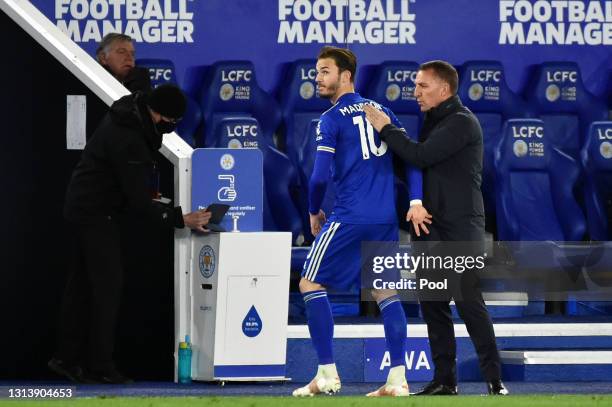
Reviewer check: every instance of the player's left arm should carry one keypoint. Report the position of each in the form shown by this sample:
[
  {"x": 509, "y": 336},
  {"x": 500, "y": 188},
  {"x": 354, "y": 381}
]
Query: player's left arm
[
  {"x": 317, "y": 187},
  {"x": 326, "y": 148}
]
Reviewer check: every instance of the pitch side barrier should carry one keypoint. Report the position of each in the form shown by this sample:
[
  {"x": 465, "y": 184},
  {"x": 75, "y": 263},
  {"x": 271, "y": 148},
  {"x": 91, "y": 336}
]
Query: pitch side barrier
[{"x": 108, "y": 89}]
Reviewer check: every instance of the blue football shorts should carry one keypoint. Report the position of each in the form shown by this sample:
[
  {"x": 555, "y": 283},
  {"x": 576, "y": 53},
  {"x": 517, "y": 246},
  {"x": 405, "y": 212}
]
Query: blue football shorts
[{"x": 334, "y": 260}]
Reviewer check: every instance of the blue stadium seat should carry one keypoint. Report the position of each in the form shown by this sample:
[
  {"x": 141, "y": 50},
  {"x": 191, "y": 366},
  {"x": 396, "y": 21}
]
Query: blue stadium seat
[
  {"x": 238, "y": 113},
  {"x": 607, "y": 95},
  {"x": 162, "y": 71},
  {"x": 230, "y": 89},
  {"x": 280, "y": 178},
  {"x": 392, "y": 85},
  {"x": 558, "y": 96},
  {"x": 300, "y": 105},
  {"x": 483, "y": 89},
  {"x": 534, "y": 186},
  {"x": 596, "y": 157},
  {"x": 235, "y": 132}
]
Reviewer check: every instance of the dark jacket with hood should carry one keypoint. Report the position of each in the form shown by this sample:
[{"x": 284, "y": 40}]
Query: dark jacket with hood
[
  {"x": 116, "y": 170},
  {"x": 450, "y": 152}
]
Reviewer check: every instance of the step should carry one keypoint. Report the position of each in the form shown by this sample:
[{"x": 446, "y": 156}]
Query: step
[
  {"x": 361, "y": 355},
  {"x": 556, "y": 364}
]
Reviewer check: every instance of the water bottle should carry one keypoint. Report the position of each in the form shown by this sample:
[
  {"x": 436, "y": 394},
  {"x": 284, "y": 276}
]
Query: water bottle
[{"x": 184, "y": 361}]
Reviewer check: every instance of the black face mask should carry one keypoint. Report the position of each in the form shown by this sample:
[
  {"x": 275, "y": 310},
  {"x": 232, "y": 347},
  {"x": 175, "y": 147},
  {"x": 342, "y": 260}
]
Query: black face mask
[{"x": 164, "y": 127}]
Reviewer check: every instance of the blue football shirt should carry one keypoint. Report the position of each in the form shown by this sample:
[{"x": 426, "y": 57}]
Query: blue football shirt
[{"x": 362, "y": 167}]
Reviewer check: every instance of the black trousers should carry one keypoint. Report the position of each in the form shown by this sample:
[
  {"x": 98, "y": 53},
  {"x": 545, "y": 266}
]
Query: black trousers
[
  {"x": 88, "y": 314},
  {"x": 465, "y": 290}
]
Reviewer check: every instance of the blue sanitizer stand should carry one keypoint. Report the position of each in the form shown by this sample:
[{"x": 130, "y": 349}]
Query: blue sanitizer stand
[{"x": 239, "y": 279}]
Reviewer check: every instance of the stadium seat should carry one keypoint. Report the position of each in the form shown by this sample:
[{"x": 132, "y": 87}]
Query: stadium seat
[
  {"x": 238, "y": 113},
  {"x": 535, "y": 202},
  {"x": 235, "y": 132},
  {"x": 596, "y": 300},
  {"x": 534, "y": 186},
  {"x": 162, "y": 71},
  {"x": 280, "y": 181},
  {"x": 280, "y": 178},
  {"x": 483, "y": 89},
  {"x": 392, "y": 85},
  {"x": 558, "y": 96},
  {"x": 607, "y": 95},
  {"x": 596, "y": 158},
  {"x": 230, "y": 89}
]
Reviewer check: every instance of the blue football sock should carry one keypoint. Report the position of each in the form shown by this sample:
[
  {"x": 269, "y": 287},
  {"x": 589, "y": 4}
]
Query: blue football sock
[
  {"x": 320, "y": 324},
  {"x": 394, "y": 321}
]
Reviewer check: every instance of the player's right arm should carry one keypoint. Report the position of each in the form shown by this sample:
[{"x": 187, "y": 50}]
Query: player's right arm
[
  {"x": 417, "y": 214},
  {"x": 326, "y": 148}
]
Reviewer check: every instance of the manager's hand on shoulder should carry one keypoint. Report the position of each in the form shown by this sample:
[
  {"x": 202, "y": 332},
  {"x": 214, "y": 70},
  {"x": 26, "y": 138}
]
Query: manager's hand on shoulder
[
  {"x": 197, "y": 220},
  {"x": 418, "y": 215},
  {"x": 378, "y": 118}
]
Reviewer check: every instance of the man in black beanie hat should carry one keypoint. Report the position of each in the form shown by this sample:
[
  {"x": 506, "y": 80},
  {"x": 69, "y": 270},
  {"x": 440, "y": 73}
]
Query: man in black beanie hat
[{"x": 110, "y": 183}]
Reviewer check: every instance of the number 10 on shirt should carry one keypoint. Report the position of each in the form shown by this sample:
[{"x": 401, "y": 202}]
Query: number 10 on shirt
[{"x": 365, "y": 150}]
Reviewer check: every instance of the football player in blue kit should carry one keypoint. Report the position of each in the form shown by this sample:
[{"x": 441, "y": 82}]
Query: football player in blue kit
[{"x": 364, "y": 211}]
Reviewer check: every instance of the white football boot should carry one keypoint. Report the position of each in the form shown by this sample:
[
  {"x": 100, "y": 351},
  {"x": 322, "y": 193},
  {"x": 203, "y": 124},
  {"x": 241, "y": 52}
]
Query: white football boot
[
  {"x": 326, "y": 381},
  {"x": 396, "y": 385}
]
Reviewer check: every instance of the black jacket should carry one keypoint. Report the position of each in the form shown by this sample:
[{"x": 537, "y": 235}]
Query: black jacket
[
  {"x": 449, "y": 151},
  {"x": 116, "y": 170},
  {"x": 137, "y": 80}
]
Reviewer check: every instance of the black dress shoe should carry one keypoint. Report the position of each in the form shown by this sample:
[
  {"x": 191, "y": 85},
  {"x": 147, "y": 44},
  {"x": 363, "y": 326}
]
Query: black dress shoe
[
  {"x": 497, "y": 388},
  {"x": 107, "y": 376},
  {"x": 437, "y": 389},
  {"x": 74, "y": 373}
]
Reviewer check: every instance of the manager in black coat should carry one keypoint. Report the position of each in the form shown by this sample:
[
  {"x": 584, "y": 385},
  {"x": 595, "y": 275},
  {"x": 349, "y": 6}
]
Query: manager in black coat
[
  {"x": 112, "y": 183},
  {"x": 450, "y": 152}
]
